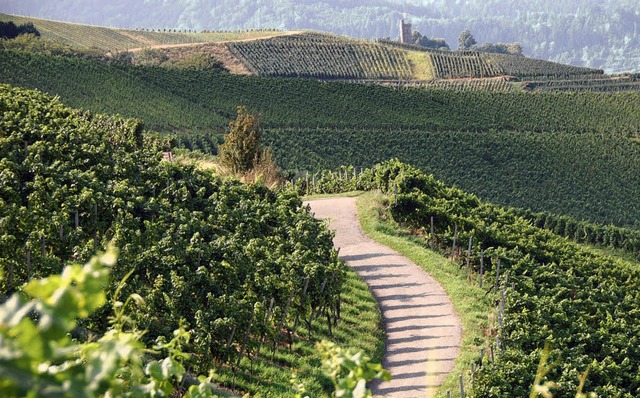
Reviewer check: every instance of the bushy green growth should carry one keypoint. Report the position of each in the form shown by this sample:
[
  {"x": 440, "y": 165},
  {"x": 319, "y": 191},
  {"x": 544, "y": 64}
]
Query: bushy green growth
[
  {"x": 41, "y": 360},
  {"x": 588, "y": 177},
  {"x": 584, "y": 303},
  {"x": 199, "y": 249},
  {"x": 241, "y": 148},
  {"x": 9, "y": 30},
  {"x": 242, "y": 152},
  {"x": 34, "y": 44}
]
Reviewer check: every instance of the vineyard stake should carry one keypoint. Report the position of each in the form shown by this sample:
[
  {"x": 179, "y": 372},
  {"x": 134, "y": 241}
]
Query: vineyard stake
[
  {"x": 246, "y": 335},
  {"x": 455, "y": 237},
  {"x": 230, "y": 340},
  {"x": 481, "y": 267},
  {"x": 461, "y": 386},
  {"x": 432, "y": 240},
  {"x": 304, "y": 291},
  {"x": 324, "y": 283},
  {"x": 469, "y": 251}
]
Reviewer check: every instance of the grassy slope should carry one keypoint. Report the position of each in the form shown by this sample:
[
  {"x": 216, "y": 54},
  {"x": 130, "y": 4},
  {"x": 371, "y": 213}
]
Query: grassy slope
[
  {"x": 469, "y": 300},
  {"x": 106, "y": 38}
]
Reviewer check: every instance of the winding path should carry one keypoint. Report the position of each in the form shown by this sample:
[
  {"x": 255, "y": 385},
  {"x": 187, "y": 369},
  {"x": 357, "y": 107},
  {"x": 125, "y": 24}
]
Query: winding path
[{"x": 423, "y": 332}]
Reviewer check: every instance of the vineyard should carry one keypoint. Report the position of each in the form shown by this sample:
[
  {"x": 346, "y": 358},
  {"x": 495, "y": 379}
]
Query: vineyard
[
  {"x": 552, "y": 295},
  {"x": 322, "y": 56},
  {"x": 530, "y": 68},
  {"x": 113, "y": 39},
  {"x": 333, "y": 123},
  {"x": 498, "y": 84},
  {"x": 248, "y": 269},
  {"x": 587, "y": 176},
  {"x": 594, "y": 84},
  {"x": 183, "y": 100},
  {"x": 463, "y": 64},
  {"x": 581, "y": 304}
]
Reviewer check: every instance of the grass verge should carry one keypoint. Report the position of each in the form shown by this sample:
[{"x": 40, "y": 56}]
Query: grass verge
[
  {"x": 471, "y": 303},
  {"x": 269, "y": 375}
]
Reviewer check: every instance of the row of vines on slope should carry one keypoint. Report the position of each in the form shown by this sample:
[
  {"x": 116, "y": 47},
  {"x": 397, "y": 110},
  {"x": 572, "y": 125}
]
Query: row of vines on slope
[
  {"x": 322, "y": 57},
  {"x": 182, "y": 100},
  {"x": 586, "y": 176},
  {"x": 582, "y": 304},
  {"x": 238, "y": 264}
]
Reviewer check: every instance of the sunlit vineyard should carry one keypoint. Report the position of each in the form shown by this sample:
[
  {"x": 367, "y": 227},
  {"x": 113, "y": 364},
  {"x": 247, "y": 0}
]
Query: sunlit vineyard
[
  {"x": 588, "y": 176},
  {"x": 456, "y": 64},
  {"x": 322, "y": 56},
  {"x": 579, "y": 302},
  {"x": 494, "y": 84},
  {"x": 96, "y": 86},
  {"x": 247, "y": 269},
  {"x": 184, "y": 100},
  {"x": 596, "y": 84}
]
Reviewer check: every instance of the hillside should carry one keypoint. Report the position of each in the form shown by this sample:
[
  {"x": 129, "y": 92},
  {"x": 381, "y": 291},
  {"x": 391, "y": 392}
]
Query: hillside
[
  {"x": 197, "y": 251},
  {"x": 330, "y": 57},
  {"x": 600, "y": 34},
  {"x": 83, "y": 36},
  {"x": 466, "y": 138},
  {"x": 551, "y": 294}
]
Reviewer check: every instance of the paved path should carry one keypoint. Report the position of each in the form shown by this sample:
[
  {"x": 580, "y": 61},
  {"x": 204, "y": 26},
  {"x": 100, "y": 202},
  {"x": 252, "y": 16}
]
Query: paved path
[{"x": 423, "y": 333}]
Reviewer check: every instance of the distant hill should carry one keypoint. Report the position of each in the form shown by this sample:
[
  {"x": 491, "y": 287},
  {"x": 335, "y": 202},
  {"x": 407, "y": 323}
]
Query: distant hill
[
  {"x": 569, "y": 153},
  {"x": 327, "y": 56},
  {"x": 84, "y": 36},
  {"x": 601, "y": 34}
]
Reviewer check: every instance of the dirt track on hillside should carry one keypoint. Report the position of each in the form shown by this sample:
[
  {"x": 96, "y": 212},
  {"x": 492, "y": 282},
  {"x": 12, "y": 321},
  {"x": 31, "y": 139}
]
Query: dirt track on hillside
[
  {"x": 423, "y": 332},
  {"x": 161, "y": 46}
]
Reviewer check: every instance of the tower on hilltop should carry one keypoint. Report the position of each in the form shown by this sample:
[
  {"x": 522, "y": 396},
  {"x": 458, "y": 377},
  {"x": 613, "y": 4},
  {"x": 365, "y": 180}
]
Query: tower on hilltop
[{"x": 405, "y": 31}]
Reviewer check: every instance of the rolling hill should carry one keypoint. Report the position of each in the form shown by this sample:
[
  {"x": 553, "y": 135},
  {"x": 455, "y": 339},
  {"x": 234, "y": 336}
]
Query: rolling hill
[
  {"x": 595, "y": 33},
  {"x": 487, "y": 135},
  {"x": 486, "y": 142}
]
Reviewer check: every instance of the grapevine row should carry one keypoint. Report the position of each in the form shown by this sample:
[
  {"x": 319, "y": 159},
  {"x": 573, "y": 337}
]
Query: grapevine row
[
  {"x": 238, "y": 263},
  {"x": 316, "y": 56}
]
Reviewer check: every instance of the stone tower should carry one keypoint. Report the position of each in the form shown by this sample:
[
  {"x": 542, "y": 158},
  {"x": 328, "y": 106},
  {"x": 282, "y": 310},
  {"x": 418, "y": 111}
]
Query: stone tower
[{"x": 405, "y": 32}]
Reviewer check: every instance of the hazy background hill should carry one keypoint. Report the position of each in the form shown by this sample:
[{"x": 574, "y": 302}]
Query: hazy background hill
[{"x": 595, "y": 33}]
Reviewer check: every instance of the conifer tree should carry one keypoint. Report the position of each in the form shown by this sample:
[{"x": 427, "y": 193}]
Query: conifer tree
[{"x": 241, "y": 148}]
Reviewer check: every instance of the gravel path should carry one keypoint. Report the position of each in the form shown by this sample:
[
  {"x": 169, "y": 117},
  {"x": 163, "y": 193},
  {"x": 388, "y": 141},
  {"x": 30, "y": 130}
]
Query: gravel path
[{"x": 423, "y": 332}]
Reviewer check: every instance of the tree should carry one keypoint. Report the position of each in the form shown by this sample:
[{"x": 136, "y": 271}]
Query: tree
[
  {"x": 240, "y": 150},
  {"x": 424, "y": 41},
  {"x": 466, "y": 40},
  {"x": 242, "y": 154}
]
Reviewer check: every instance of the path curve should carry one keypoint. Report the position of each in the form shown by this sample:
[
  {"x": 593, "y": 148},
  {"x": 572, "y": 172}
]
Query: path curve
[{"x": 423, "y": 332}]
